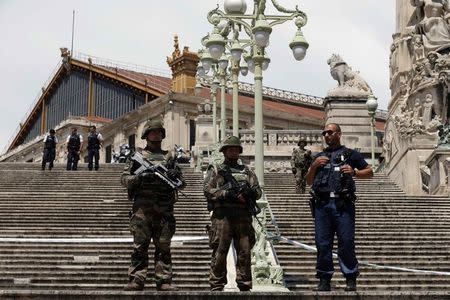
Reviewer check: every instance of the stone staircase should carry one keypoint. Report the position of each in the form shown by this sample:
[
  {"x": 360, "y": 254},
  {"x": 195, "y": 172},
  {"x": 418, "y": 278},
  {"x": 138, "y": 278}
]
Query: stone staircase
[
  {"x": 392, "y": 229},
  {"x": 64, "y": 235},
  {"x": 69, "y": 230}
]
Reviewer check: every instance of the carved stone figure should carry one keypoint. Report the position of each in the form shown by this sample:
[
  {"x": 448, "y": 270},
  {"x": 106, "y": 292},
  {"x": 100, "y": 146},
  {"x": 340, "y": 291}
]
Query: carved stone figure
[
  {"x": 408, "y": 122},
  {"x": 350, "y": 83},
  {"x": 419, "y": 50},
  {"x": 393, "y": 61},
  {"x": 427, "y": 110},
  {"x": 417, "y": 110},
  {"x": 431, "y": 21},
  {"x": 431, "y": 64}
]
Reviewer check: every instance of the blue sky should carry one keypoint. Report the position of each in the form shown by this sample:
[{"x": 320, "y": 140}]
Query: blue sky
[{"x": 141, "y": 32}]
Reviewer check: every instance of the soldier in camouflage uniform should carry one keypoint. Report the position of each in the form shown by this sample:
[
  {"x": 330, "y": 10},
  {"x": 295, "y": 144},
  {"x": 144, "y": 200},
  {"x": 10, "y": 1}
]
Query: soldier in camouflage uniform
[
  {"x": 152, "y": 216},
  {"x": 231, "y": 218},
  {"x": 300, "y": 162}
]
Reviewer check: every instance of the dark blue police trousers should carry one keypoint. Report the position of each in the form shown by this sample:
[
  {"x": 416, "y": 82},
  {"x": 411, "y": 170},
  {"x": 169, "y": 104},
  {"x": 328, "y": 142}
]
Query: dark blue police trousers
[
  {"x": 93, "y": 154},
  {"x": 328, "y": 222}
]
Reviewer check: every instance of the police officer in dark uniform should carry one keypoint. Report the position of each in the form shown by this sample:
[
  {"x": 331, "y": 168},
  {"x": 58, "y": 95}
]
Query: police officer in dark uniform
[
  {"x": 95, "y": 141},
  {"x": 231, "y": 218},
  {"x": 333, "y": 189},
  {"x": 50, "y": 141},
  {"x": 74, "y": 145}
]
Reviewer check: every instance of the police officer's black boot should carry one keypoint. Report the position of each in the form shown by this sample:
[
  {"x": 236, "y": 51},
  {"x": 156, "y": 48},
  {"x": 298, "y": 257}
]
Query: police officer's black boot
[
  {"x": 324, "y": 285},
  {"x": 351, "y": 284}
]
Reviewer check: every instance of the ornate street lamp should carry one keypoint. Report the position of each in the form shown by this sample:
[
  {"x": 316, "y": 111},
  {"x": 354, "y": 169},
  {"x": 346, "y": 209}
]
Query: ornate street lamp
[
  {"x": 372, "y": 105},
  {"x": 259, "y": 27}
]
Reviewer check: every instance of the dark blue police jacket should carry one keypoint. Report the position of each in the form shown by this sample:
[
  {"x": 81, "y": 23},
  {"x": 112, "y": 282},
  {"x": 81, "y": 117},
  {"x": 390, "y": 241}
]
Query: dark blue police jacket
[{"x": 329, "y": 178}]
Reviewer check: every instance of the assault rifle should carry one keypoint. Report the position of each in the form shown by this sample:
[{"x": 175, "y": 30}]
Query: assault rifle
[
  {"x": 159, "y": 170},
  {"x": 241, "y": 188}
]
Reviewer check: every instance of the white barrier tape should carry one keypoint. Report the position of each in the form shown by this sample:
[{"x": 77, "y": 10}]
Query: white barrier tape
[
  {"x": 314, "y": 249},
  {"x": 94, "y": 240}
]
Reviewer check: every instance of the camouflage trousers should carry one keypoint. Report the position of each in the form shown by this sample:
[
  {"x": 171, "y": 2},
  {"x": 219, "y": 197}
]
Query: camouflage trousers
[
  {"x": 145, "y": 225},
  {"x": 300, "y": 182},
  {"x": 222, "y": 232}
]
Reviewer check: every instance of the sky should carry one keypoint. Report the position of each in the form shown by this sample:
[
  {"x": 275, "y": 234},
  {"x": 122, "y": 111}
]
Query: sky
[{"x": 141, "y": 32}]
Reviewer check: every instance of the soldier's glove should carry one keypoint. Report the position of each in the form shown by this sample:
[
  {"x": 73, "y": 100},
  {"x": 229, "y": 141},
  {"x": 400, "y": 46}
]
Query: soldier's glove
[
  {"x": 231, "y": 195},
  {"x": 173, "y": 173}
]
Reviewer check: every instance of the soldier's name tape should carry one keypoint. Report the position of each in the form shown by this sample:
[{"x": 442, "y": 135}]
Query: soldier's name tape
[
  {"x": 314, "y": 249},
  {"x": 201, "y": 238}
]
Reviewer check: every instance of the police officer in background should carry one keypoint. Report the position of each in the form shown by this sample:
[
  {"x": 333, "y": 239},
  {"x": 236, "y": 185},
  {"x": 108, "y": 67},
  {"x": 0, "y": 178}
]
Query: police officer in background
[
  {"x": 50, "y": 141},
  {"x": 231, "y": 218},
  {"x": 333, "y": 189},
  {"x": 300, "y": 162},
  {"x": 95, "y": 142},
  {"x": 152, "y": 216},
  {"x": 74, "y": 145}
]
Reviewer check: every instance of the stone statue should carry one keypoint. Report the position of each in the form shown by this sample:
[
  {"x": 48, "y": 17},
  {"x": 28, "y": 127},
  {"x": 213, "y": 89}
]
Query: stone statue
[
  {"x": 427, "y": 110},
  {"x": 431, "y": 21},
  {"x": 417, "y": 110},
  {"x": 419, "y": 50},
  {"x": 350, "y": 83}
]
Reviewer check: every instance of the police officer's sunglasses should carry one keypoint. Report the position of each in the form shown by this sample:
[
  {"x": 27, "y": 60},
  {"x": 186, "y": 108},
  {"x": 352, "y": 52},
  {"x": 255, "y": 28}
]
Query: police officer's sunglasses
[{"x": 328, "y": 132}]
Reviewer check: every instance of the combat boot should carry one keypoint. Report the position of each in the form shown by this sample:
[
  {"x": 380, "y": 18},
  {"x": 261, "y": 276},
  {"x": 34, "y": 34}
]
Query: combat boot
[
  {"x": 324, "y": 285},
  {"x": 134, "y": 285},
  {"x": 351, "y": 284},
  {"x": 166, "y": 287}
]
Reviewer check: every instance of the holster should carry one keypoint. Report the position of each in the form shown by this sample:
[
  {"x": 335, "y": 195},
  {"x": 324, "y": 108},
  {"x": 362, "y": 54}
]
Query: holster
[{"x": 312, "y": 203}]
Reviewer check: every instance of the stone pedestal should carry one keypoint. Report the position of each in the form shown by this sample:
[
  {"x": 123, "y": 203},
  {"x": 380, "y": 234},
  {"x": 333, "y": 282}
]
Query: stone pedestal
[
  {"x": 204, "y": 131},
  {"x": 204, "y": 136},
  {"x": 439, "y": 164},
  {"x": 352, "y": 115}
]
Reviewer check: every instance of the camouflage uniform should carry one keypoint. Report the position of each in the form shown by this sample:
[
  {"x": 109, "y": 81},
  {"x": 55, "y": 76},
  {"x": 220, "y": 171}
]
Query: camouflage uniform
[
  {"x": 231, "y": 220},
  {"x": 152, "y": 217},
  {"x": 300, "y": 162}
]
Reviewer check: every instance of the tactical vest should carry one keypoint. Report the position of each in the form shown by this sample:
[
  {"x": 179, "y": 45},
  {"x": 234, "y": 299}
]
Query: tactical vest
[
  {"x": 233, "y": 207},
  {"x": 329, "y": 178},
  {"x": 93, "y": 141},
  {"x": 50, "y": 142},
  {"x": 153, "y": 184},
  {"x": 74, "y": 142}
]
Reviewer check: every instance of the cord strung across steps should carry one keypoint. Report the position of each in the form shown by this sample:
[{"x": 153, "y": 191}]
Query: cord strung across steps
[
  {"x": 93, "y": 240},
  {"x": 201, "y": 238},
  {"x": 313, "y": 249}
]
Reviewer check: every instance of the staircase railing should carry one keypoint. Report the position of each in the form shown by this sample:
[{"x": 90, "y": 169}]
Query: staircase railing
[{"x": 266, "y": 270}]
